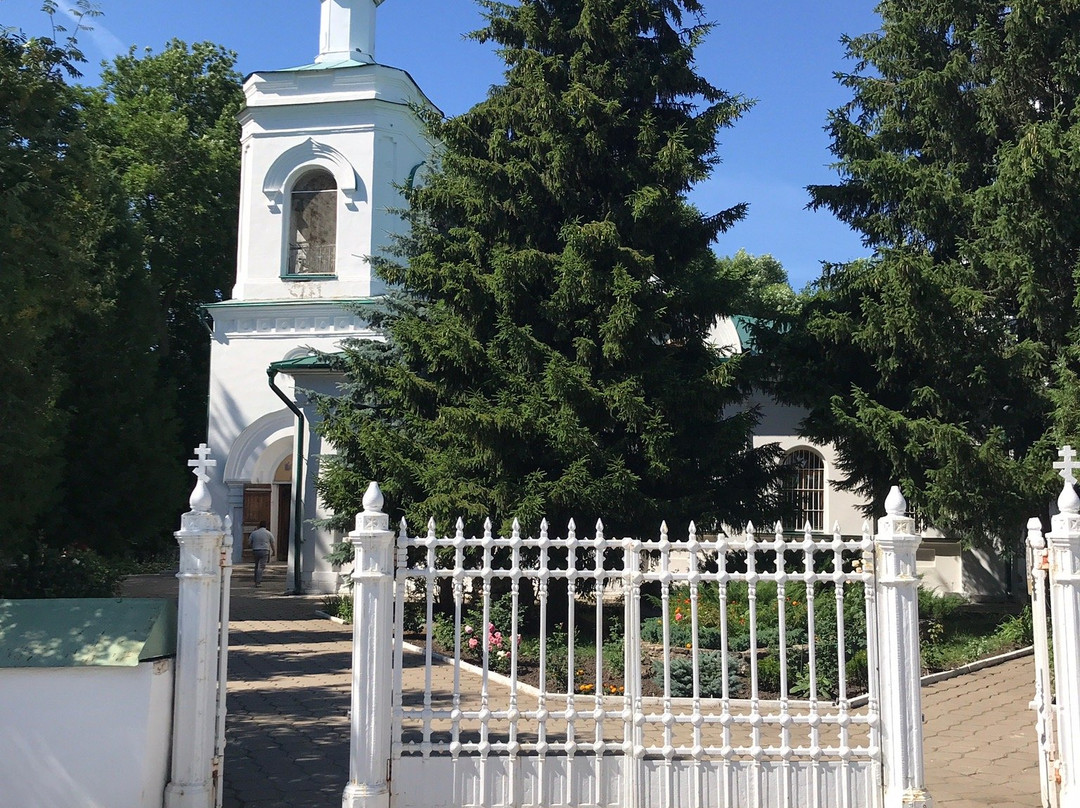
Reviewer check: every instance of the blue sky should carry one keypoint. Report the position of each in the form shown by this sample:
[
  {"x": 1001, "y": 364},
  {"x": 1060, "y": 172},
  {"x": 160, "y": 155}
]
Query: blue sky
[{"x": 781, "y": 52}]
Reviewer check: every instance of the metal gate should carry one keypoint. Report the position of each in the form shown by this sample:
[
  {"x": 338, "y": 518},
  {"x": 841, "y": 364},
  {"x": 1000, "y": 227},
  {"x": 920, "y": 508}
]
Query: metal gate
[
  {"x": 1043, "y": 702},
  {"x": 586, "y": 671}
]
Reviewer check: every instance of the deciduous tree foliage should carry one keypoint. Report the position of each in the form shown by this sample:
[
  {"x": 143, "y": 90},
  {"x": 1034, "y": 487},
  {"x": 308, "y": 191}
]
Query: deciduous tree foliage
[
  {"x": 946, "y": 361},
  {"x": 117, "y": 215},
  {"x": 547, "y": 354},
  {"x": 166, "y": 124},
  {"x": 43, "y": 270}
]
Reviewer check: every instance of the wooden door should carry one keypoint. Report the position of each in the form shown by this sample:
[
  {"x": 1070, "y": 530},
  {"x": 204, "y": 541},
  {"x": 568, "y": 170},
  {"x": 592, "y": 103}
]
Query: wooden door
[
  {"x": 256, "y": 510},
  {"x": 284, "y": 520}
]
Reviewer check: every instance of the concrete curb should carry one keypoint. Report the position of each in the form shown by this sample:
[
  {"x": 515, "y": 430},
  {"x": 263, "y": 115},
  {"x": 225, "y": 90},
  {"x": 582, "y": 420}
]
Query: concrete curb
[{"x": 978, "y": 665}]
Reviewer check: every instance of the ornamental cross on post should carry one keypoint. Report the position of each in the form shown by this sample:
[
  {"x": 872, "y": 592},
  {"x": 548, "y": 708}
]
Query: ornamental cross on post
[
  {"x": 202, "y": 463},
  {"x": 1067, "y": 464}
]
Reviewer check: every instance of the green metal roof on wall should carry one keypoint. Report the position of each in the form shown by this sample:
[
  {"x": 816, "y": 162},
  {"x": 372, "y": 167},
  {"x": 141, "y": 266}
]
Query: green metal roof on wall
[
  {"x": 81, "y": 632},
  {"x": 322, "y": 66},
  {"x": 742, "y": 325},
  {"x": 310, "y": 362}
]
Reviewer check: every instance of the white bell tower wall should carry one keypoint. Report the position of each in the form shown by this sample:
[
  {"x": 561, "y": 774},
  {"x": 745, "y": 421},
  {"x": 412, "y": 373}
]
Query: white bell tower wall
[{"x": 356, "y": 127}]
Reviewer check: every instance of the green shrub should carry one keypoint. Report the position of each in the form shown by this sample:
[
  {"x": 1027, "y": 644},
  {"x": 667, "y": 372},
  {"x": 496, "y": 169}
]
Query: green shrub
[
  {"x": 1017, "y": 630},
  {"x": 48, "y": 572},
  {"x": 768, "y": 672},
  {"x": 710, "y": 676},
  {"x": 652, "y": 630},
  {"x": 938, "y": 608},
  {"x": 414, "y": 620},
  {"x": 340, "y": 606}
]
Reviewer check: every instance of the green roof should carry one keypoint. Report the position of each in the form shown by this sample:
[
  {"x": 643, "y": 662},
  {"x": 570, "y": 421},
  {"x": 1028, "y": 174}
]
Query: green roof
[
  {"x": 80, "y": 632},
  {"x": 742, "y": 325},
  {"x": 322, "y": 66},
  {"x": 309, "y": 362}
]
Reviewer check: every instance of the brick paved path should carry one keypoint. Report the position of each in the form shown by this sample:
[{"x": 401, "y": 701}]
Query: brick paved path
[{"x": 287, "y": 727}]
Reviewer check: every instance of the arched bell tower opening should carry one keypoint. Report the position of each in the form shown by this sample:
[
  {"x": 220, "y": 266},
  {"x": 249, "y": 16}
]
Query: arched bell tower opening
[{"x": 313, "y": 210}]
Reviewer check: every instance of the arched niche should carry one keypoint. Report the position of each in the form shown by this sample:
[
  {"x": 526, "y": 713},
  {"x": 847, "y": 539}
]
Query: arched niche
[
  {"x": 249, "y": 452},
  {"x": 292, "y": 163}
]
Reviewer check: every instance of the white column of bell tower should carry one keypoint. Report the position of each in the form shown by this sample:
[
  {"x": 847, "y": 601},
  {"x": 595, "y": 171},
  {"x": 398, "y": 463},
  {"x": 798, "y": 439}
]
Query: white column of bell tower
[{"x": 347, "y": 30}]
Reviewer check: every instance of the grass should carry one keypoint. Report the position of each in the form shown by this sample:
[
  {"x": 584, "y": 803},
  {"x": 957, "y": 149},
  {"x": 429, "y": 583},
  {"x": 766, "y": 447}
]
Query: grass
[
  {"x": 340, "y": 606},
  {"x": 968, "y": 634}
]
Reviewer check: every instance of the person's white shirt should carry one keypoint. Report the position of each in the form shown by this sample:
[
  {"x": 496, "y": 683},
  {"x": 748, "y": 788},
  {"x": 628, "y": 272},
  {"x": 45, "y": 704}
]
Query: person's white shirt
[{"x": 262, "y": 539}]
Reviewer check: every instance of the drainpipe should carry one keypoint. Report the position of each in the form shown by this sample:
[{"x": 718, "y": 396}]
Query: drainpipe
[{"x": 297, "y": 479}]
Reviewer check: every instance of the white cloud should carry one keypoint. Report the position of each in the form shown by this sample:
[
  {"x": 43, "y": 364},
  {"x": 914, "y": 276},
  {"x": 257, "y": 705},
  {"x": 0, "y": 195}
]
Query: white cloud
[{"x": 104, "y": 41}]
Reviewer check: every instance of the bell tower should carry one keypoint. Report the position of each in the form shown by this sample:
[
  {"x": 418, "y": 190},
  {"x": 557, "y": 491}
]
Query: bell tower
[
  {"x": 347, "y": 31},
  {"x": 326, "y": 148}
]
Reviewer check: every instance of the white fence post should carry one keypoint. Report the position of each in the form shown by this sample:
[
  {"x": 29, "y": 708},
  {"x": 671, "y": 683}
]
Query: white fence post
[
  {"x": 195, "y": 700},
  {"x": 1042, "y": 703},
  {"x": 1064, "y": 541},
  {"x": 898, "y": 638},
  {"x": 372, "y": 684}
]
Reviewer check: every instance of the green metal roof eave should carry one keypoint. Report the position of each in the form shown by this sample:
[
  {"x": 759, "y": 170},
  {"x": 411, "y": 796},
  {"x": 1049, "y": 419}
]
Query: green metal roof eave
[
  {"x": 311, "y": 362},
  {"x": 85, "y": 632},
  {"x": 342, "y": 302}
]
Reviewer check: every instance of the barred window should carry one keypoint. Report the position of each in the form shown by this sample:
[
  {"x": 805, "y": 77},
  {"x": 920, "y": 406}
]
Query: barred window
[
  {"x": 805, "y": 489},
  {"x": 313, "y": 225}
]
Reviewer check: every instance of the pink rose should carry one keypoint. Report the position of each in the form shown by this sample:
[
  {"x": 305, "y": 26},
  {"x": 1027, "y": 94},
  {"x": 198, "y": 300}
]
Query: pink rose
[
  {"x": 473, "y": 642},
  {"x": 468, "y": 629}
]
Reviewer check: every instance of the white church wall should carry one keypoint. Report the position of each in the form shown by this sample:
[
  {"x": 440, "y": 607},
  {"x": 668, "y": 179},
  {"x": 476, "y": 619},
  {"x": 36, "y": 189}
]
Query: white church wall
[
  {"x": 943, "y": 565},
  {"x": 317, "y": 574},
  {"x": 779, "y": 424},
  {"x": 248, "y": 339}
]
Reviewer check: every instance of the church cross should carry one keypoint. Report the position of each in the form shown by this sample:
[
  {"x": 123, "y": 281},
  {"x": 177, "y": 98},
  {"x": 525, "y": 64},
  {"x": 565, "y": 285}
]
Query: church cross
[
  {"x": 202, "y": 463},
  {"x": 1067, "y": 463}
]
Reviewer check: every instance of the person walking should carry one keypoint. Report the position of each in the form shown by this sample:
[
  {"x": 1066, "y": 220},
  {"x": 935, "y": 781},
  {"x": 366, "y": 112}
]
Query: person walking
[{"x": 262, "y": 545}]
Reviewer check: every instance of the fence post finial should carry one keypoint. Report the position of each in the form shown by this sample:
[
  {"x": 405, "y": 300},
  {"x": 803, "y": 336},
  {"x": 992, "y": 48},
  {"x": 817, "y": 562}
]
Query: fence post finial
[
  {"x": 200, "y": 499},
  {"x": 373, "y": 498},
  {"x": 895, "y": 504}
]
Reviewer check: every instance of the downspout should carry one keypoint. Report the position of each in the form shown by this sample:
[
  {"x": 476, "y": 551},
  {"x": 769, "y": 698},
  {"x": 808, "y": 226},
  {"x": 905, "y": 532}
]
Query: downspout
[{"x": 297, "y": 479}]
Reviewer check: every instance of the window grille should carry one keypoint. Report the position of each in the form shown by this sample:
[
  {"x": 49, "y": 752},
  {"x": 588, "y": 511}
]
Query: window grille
[
  {"x": 313, "y": 225},
  {"x": 805, "y": 490}
]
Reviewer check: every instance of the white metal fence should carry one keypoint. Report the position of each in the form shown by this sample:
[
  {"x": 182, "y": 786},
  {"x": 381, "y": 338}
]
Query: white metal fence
[
  {"x": 1054, "y": 576},
  {"x": 590, "y": 671}
]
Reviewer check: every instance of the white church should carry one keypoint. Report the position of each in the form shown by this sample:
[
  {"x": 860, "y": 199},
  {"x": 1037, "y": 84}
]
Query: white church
[{"x": 325, "y": 147}]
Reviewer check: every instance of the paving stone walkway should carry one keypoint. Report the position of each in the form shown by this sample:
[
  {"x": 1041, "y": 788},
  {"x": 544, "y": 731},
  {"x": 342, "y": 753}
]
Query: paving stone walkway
[{"x": 287, "y": 730}]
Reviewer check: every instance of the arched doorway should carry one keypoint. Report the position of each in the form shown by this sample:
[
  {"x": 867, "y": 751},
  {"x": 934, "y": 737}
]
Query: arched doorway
[{"x": 267, "y": 496}]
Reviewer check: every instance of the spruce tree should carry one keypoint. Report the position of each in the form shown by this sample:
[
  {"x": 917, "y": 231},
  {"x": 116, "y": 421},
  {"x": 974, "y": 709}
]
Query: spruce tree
[
  {"x": 942, "y": 361},
  {"x": 546, "y": 349}
]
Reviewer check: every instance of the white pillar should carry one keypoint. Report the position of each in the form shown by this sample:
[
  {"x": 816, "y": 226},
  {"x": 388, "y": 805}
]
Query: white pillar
[
  {"x": 373, "y": 606},
  {"x": 898, "y": 649},
  {"x": 195, "y": 699},
  {"x": 1064, "y": 547}
]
